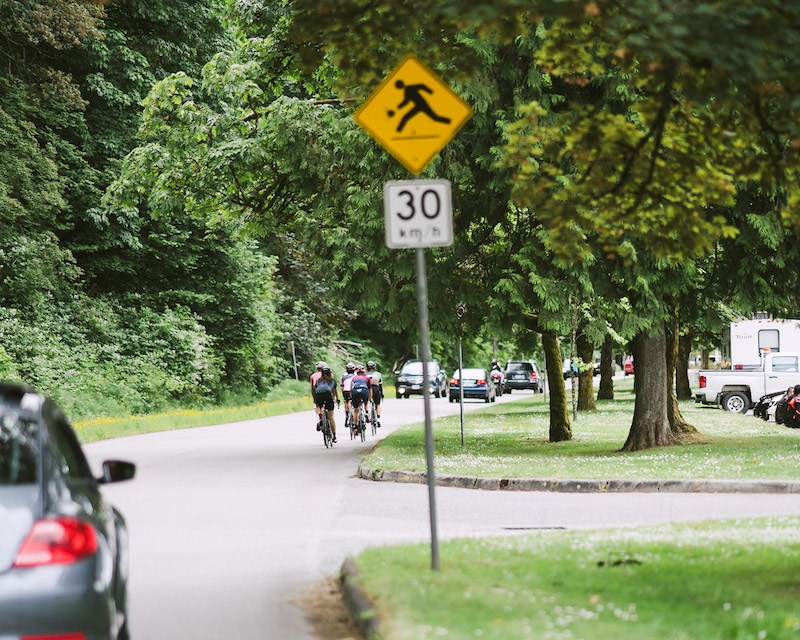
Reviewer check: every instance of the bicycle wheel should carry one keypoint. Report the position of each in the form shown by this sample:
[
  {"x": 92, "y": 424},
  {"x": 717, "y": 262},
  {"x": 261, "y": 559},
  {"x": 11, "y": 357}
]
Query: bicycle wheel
[
  {"x": 374, "y": 421},
  {"x": 362, "y": 426},
  {"x": 326, "y": 431}
]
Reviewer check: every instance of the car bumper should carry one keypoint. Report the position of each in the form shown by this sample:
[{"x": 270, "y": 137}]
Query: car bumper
[
  {"x": 471, "y": 392},
  {"x": 702, "y": 398},
  {"x": 522, "y": 384},
  {"x": 53, "y": 600}
]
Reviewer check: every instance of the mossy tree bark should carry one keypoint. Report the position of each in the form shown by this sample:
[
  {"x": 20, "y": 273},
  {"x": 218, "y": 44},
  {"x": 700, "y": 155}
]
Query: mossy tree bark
[
  {"x": 606, "y": 391},
  {"x": 585, "y": 350},
  {"x": 677, "y": 422},
  {"x": 650, "y": 426},
  {"x": 560, "y": 429}
]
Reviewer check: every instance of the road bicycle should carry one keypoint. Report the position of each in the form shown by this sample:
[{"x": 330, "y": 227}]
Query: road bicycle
[
  {"x": 327, "y": 433},
  {"x": 362, "y": 425},
  {"x": 373, "y": 419},
  {"x": 349, "y": 423}
]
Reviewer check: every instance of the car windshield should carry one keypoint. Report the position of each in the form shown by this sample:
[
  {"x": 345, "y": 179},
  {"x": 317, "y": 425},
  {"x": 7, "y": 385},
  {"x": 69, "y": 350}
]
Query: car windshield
[
  {"x": 415, "y": 369},
  {"x": 519, "y": 366},
  {"x": 18, "y": 450}
]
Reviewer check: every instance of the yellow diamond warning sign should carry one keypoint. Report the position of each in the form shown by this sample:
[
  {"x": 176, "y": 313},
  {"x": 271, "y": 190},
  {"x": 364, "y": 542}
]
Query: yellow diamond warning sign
[{"x": 413, "y": 114}]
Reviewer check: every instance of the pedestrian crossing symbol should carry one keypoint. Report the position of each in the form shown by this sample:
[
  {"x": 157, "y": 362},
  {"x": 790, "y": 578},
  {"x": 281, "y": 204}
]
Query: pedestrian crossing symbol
[{"x": 413, "y": 114}]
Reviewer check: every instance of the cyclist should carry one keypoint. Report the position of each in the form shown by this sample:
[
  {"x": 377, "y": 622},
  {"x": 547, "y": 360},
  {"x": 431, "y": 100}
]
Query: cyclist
[
  {"x": 376, "y": 383},
  {"x": 361, "y": 392},
  {"x": 313, "y": 380},
  {"x": 324, "y": 393},
  {"x": 347, "y": 383}
]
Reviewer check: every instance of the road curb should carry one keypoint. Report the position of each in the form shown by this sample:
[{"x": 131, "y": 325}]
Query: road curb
[
  {"x": 577, "y": 485},
  {"x": 361, "y": 610}
]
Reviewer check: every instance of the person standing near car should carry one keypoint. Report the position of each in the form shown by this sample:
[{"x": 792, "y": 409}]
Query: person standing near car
[{"x": 376, "y": 385}]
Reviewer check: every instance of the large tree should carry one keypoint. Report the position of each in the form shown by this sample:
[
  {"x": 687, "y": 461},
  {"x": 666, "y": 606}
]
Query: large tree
[{"x": 666, "y": 109}]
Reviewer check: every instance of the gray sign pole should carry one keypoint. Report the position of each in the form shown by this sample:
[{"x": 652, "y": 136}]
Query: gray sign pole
[
  {"x": 425, "y": 339},
  {"x": 460, "y": 388}
]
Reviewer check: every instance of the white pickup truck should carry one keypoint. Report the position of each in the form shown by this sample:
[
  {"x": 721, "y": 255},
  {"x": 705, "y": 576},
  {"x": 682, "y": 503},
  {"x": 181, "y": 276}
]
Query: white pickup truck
[{"x": 738, "y": 390}]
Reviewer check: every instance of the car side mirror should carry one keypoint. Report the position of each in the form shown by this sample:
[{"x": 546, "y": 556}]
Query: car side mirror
[{"x": 117, "y": 471}]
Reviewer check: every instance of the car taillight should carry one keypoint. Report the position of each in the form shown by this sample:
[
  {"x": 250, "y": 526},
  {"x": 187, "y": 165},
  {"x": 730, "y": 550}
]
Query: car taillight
[
  {"x": 57, "y": 636},
  {"x": 480, "y": 382},
  {"x": 738, "y": 367},
  {"x": 453, "y": 380},
  {"x": 57, "y": 541},
  {"x": 702, "y": 382},
  {"x": 533, "y": 375}
]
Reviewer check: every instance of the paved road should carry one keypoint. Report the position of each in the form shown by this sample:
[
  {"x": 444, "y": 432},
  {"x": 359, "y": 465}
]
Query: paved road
[{"x": 228, "y": 523}]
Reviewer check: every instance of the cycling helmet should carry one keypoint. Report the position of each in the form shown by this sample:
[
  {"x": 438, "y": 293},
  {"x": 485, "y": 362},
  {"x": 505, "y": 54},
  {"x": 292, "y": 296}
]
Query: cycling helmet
[
  {"x": 350, "y": 367},
  {"x": 370, "y": 365},
  {"x": 360, "y": 368},
  {"x": 326, "y": 369},
  {"x": 319, "y": 365}
]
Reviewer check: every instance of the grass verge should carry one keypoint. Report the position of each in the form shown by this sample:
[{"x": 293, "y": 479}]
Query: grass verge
[
  {"x": 713, "y": 580},
  {"x": 289, "y": 396},
  {"x": 510, "y": 441}
]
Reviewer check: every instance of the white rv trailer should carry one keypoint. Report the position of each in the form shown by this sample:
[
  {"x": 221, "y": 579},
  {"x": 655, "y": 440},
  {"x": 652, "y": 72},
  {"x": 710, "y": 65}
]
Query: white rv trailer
[{"x": 751, "y": 339}]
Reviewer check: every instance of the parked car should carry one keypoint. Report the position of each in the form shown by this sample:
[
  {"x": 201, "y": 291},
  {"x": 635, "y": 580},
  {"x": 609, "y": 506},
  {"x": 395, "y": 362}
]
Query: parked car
[
  {"x": 477, "y": 384},
  {"x": 409, "y": 379},
  {"x": 738, "y": 390},
  {"x": 569, "y": 369},
  {"x": 63, "y": 548},
  {"x": 522, "y": 374}
]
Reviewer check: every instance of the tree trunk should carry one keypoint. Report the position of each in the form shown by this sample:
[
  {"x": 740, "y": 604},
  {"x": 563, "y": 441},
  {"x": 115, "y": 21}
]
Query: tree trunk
[
  {"x": 683, "y": 389},
  {"x": 677, "y": 422},
  {"x": 586, "y": 377},
  {"x": 650, "y": 426},
  {"x": 559, "y": 413},
  {"x": 705, "y": 358},
  {"x": 606, "y": 391}
]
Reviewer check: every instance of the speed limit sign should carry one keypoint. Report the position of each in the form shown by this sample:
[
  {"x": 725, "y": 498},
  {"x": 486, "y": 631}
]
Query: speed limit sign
[{"x": 418, "y": 213}]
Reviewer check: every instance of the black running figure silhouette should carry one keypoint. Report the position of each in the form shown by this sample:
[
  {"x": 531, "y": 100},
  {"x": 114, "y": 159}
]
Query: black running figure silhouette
[{"x": 413, "y": 93}]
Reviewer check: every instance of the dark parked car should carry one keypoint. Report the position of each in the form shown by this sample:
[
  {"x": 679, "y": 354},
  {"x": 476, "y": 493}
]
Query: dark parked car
[
  {"x": 477, "y": 384},
  {"x": 63, "y": 549},
  {"x": 409, "y": 379},
  {"x": 522, "y": 374}
]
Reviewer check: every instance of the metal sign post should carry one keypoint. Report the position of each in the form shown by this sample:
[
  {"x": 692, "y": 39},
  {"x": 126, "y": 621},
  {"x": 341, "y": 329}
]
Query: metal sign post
[
  {"x": 425, "y": 339},
  {"x": 419, "y": 214},
  {"x": 461, "y": 310},
  {"x": 413, "y": 114}
]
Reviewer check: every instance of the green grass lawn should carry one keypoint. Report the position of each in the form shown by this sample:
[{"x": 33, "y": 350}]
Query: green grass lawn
[
  {"x": 726, "y": 579},
  {"x": 510, "y": 441}
]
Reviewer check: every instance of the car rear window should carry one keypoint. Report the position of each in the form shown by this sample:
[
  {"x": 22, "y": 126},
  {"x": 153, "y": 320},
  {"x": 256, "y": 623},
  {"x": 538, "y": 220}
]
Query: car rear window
[
  {"x": 19, "y": 449},
  {"x": 519, "y": 366}
]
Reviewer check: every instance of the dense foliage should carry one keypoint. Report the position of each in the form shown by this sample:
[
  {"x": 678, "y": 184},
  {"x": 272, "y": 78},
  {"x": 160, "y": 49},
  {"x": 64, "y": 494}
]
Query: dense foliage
[{"x": 186, "y": 195}]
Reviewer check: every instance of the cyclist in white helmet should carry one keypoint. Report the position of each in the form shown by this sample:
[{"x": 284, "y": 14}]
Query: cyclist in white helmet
[
  {"x": 347, "y": 385},
  {"x": 376, "y": 382}
]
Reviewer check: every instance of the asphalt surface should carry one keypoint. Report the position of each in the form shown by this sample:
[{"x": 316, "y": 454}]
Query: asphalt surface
[{"x": 229, "y": 523}]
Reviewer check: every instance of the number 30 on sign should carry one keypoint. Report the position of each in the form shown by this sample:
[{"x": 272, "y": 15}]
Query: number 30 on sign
[{"x": 418, "y": 214}]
